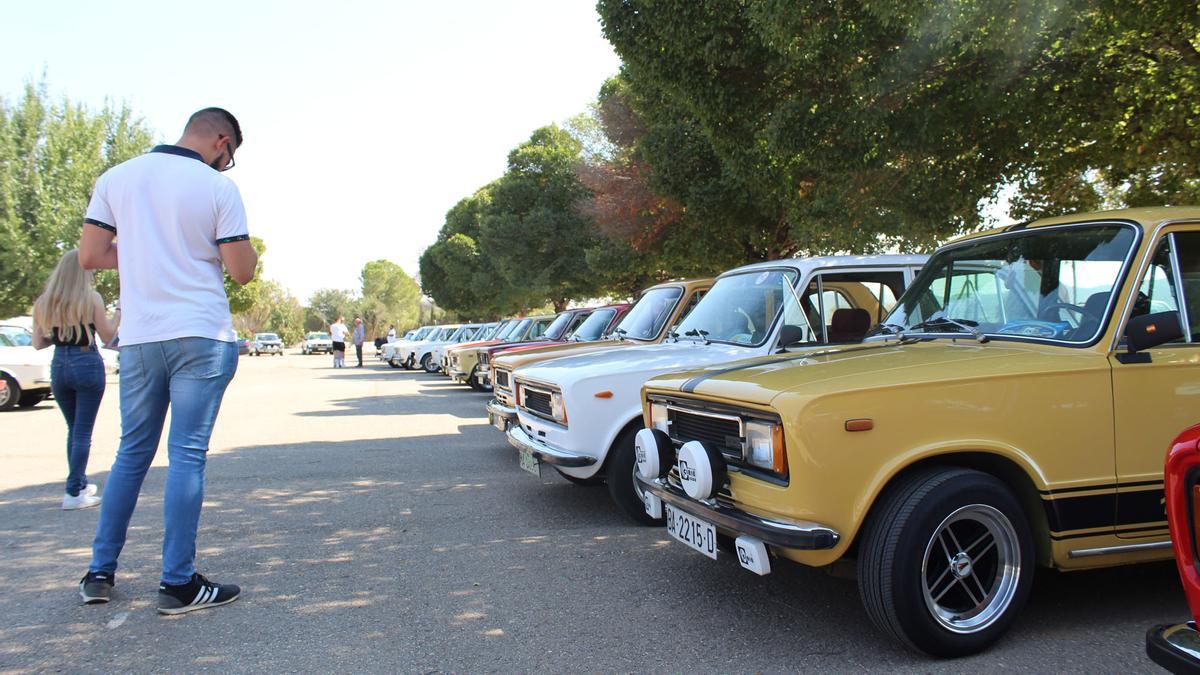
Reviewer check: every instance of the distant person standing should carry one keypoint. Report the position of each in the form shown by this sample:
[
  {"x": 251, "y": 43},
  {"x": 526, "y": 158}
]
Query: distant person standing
[
  {"x": 392, "y": 334},
  {"x": 338, "y": 333},
  {"x": 179, "y": 220},
  {"x": 68, "y": 315},
  {"x": 360, "y": 334}
]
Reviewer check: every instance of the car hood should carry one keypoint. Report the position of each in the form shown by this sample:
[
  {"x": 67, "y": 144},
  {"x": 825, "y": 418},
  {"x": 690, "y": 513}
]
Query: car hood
[
  {"x": 25, "y": 356},
  {"x": 634, "y": 359},
  {"x": 867, "y": 366},
  {"x": 473, "y": 345},
  {"x": 522, "y": 357}
]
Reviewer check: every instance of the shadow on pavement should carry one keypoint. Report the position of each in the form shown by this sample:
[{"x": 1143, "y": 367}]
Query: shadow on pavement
[{"x": 438, "y": 552}]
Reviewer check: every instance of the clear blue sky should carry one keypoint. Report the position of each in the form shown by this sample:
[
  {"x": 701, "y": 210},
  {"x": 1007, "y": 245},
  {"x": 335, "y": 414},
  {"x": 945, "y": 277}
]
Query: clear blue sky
[{"x": 365, "y": 121}]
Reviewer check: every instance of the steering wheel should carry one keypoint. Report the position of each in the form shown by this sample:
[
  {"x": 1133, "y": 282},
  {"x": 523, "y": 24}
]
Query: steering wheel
[{"x": 1049, "y": 312}]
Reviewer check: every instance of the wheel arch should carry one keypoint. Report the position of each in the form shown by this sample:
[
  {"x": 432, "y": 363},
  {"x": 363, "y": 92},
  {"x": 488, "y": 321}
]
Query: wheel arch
[{"x": 1009, "y": 471}]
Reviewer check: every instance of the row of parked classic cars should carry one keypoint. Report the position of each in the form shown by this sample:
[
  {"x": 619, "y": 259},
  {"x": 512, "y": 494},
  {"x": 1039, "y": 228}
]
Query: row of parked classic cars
[{"x": 941, "y": 425}]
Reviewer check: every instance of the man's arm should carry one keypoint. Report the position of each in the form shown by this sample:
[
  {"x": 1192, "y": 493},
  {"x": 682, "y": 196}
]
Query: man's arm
[
  {"x": 97, "y": 248},
  {"x": 240, "y": 260}
]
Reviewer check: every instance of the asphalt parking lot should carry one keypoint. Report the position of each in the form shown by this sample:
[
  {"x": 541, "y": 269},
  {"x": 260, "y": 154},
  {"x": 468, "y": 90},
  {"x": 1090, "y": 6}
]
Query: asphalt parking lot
[{"x": 378, "y": 524}]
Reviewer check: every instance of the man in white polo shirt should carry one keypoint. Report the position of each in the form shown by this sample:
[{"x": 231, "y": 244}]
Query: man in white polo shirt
[{"x": 178, "y": 220}]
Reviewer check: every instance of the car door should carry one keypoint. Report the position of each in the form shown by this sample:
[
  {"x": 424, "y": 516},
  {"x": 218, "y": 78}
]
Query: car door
[{"x": 1157, "y": 394}]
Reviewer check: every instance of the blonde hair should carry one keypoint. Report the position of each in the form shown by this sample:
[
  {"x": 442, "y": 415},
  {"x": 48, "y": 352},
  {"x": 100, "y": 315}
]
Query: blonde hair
[{"x": 67, "y": 302}]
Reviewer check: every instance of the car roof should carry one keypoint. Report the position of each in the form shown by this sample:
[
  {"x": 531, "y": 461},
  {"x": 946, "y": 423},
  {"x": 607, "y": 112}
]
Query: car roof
[
  {"x": 1147, "y": 217},
  {"x": 805, "y": 265}
]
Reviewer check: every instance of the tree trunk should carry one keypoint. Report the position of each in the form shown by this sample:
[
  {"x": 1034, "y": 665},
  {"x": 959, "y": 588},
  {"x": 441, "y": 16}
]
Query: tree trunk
[{"x": 560, "y": 304}]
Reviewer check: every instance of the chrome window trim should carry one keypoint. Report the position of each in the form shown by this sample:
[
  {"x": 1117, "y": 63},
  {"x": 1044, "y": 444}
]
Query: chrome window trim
[{"x": 1177, "y": 273}]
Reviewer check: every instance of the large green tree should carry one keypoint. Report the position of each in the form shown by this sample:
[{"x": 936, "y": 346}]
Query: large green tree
[
  {"x": 389, "y": 297},
  {"x": 533, "y": 229},
  {"x": 243, "y": 297},
  {"x": 51, "y": 153},
  {"x": 865, "y": 125}
]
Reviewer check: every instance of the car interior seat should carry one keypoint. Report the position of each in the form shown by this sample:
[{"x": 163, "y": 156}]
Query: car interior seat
[{"x": 849, "y": 325}]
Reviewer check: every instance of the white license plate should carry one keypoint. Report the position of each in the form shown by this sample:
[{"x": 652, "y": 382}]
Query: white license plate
[
  {"x": 502, "y": 424},
  {"x": 530, "y": 463},
  {"x": 698, "y": 534}
]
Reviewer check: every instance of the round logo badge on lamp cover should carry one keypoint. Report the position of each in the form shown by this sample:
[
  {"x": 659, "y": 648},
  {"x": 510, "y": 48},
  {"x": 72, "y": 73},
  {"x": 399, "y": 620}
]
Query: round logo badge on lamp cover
[{"x": 699, "y": 469}]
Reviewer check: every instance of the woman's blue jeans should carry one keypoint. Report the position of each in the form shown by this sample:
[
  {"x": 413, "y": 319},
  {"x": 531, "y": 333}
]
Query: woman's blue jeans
[
  {"x": 190, "y": 375},
  {"x": 77, "y": 380}
]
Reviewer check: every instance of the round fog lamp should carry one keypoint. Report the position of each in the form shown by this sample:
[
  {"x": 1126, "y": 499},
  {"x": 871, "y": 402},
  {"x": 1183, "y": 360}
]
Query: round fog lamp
[
  {"x": 701, "y": 470},
  {"x": 650, "y": 448}
]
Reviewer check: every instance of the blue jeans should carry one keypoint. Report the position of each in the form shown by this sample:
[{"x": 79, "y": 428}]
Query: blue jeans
[
  {"x": 77, "y": 380},
  {"x": 190, "y": 375}
]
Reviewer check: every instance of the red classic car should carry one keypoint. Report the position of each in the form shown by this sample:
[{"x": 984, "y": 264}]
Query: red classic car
[{"x": 1176, "y": 647}]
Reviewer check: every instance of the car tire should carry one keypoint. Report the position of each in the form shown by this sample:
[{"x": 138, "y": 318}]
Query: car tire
[
  {"x": 29, "y": 399},
  {"x": 622, "y": 486},
  {"x": 472, "y": 382},
  {"x": 393, "y": 363},
  {"x": 583, "y": 482},
  {"x": 918, "y": 580},
  {"x": 428, "y": 365},
  {"x": 11, "y": 394}
]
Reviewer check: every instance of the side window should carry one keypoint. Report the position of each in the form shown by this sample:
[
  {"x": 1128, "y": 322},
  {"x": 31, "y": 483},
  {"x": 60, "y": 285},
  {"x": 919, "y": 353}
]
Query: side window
[
  {"x": 1188, "y": 252},
  {"x": 691, "y": 304},
  {"x": 1157, "y": 292},
  {"x": 975, "y": 296},
  {"x": 844, "y": 306}
]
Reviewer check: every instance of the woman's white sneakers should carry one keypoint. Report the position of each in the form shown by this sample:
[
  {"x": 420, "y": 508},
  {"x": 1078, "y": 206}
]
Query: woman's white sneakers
[{"x": 86, "y": 499}]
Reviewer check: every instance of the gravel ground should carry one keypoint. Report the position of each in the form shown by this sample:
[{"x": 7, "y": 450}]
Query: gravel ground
[{"x": 378, "y": 524}]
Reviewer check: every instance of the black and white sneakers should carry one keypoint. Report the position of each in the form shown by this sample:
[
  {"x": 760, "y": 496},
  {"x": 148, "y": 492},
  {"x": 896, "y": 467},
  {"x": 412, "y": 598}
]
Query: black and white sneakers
[
  {"x": 96, "y": 587},
  {"x": 199, "y": 593}
]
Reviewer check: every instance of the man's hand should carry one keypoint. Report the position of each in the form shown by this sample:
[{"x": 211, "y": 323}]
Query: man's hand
[
  {"x": 97, "y": 250},
  {"x": 240, "y": 260}
]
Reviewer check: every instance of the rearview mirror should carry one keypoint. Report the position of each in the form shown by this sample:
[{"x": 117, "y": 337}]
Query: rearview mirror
[{"x": 1151, "y": 330}]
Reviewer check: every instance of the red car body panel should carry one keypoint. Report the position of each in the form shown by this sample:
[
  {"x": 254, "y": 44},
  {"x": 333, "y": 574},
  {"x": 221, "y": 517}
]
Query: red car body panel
[{"x": 622, "y": 309}]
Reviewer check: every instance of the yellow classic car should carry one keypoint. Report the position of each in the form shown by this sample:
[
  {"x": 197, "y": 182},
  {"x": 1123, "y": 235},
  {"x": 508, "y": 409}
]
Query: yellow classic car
[
  {"x": 1010, "y": 412},
  {"x": 659, "y": 308}
]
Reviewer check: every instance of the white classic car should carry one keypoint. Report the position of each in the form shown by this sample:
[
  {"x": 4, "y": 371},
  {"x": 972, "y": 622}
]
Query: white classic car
[
  {"x": 436, "y": 351},
  {"x": 391, "y": 350},
  {"x": 580, "y": 414},
  {"x": 415, "y": 354},
  {"x": 316, "y": 341},
  {"x": 24, "y": 374}
]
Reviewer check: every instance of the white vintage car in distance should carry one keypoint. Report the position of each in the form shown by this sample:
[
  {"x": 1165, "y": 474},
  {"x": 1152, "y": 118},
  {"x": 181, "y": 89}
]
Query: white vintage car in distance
[{"x": 580, "y": 414}]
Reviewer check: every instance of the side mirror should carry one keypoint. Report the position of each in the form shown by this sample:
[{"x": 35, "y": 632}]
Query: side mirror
[
  {"x": 1151, "y": 330},
  {"x": 789, "y": 335}
]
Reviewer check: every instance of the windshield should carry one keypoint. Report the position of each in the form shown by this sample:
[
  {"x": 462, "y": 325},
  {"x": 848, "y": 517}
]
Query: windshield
[
  {"x": 741, "y": 308},
  {"x": 1044, "y": 284},
  {"x": 423, "y": 332},
  {"x": 266, "y": 336},
  {"x": 518, "y": 328},
  {"x": 5, "y": 341},
  {"x": 593, "y": 327},
  {"x": 646, "y": 319},
  {"x": 318, "y": 336},
  {"x": 456, "y": 334},
  {"x": 559, "y": 325},
  {"x": 439, "y": 334},
  {"x": 17, "y": 336}
]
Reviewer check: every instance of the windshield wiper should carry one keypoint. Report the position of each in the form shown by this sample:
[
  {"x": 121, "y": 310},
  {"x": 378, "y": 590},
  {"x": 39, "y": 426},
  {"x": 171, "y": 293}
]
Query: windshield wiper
[
  {"x": 620, "y": 333},
  {"x": 673, "y": 335},
  {"x": 696, "y": 332},
  {"x": 946, "y": 321}
]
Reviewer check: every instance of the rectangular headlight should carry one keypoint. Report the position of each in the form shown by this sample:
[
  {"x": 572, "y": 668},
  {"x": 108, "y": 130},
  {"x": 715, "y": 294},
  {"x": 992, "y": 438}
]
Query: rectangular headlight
[
  {"x": 764, "y": 446},
  {"x": 658, "y": 417},
  {"x": 558, "y": 409}
]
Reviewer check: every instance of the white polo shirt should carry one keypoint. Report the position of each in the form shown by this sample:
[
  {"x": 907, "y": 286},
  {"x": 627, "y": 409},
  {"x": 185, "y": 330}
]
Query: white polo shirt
[{"x": 170, "y": 212}]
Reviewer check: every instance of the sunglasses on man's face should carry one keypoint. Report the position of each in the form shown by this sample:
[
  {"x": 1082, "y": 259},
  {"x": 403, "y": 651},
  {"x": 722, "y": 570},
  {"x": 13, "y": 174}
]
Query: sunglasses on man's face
[{"x": 229, "y": 149}]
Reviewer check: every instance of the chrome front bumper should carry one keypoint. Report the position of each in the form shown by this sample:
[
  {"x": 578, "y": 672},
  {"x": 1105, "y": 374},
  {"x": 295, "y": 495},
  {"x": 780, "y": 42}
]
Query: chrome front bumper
[
  {"x": 521, "y": 440},
  {"x": 498, "y": 411},
  {"x": 794, "y": 534}
]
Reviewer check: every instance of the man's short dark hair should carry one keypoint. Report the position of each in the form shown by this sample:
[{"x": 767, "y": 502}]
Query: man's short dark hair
[{"x": 218, "y": 119}]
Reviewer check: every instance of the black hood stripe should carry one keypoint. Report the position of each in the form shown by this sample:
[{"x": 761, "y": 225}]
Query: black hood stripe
[{"x": 690, "y": 386}]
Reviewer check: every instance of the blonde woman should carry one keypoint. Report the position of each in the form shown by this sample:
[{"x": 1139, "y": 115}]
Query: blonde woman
[{"x": 68, "y": 315}]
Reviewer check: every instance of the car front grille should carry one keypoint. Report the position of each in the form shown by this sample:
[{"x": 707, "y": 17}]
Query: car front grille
[
  {"x": 502, "y": 379},
  {"x": 539, "y": 402},
  {"x": 484, "y": 358},
  {"x": 720, "y": 433}
]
